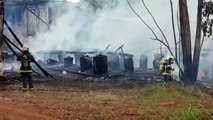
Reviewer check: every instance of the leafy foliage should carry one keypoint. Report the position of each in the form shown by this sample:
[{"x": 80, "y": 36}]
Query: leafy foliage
[{"x": 207, "y": 15}]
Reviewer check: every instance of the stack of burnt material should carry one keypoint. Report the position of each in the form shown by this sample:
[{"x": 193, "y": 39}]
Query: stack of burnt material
[
  {"x": 143, "y": 62},
  {"x": 52, "y": 61},
  {"x": 85, "y": 63},
  {"x": 100, "y": 64},
  {"x": 68, "y": 62},
  {"x": 52, "y": 57},
  {"x": 128, "y": 64}
]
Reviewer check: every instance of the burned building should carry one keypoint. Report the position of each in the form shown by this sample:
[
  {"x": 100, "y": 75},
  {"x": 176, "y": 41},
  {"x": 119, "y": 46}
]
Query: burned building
[
  {"x": 30, "y": 16},
  {"x": 96, "y": 62},
  {"x": 51, "y": 56}
]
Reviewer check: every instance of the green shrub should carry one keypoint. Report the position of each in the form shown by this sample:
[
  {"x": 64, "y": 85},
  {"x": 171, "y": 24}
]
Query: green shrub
[
  {"x": 188, "y": 113},
  {"x": 211, "y": 117}
]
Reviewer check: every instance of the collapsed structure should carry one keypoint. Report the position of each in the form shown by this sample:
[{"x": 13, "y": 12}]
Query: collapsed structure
[
  {"x": 97, "y": 62},
  {"x": 32, "y": 16}
]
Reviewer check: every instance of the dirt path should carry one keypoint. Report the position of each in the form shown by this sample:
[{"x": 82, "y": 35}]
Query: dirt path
[
  {"x": 52, "y": 105},
  {"x": 11, "y": 110}
]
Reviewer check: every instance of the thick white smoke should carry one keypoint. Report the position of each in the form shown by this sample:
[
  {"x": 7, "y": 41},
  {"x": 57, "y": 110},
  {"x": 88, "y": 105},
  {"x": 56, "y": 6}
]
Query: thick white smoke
[
  {"x": 73, "y": 1},
  {"x": 80, "y": 28}
]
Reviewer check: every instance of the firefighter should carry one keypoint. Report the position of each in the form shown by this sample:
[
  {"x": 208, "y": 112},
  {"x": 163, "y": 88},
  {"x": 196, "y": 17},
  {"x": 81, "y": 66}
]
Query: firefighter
[
  {"x": 25, "y": 70},
  {"x": 166, "y": 69}
]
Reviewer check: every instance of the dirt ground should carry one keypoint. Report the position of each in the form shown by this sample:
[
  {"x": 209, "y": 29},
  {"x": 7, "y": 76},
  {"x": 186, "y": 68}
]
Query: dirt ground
[
  {"x": 64, "y": 106},
  {"x": 71, "y": 97}
]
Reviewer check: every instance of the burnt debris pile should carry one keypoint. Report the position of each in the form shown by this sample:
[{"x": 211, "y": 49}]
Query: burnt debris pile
[
  {"x": 94, "y": 62},
  {"x": 100, "y": 65},
  {"x": 85, "y": 63}
]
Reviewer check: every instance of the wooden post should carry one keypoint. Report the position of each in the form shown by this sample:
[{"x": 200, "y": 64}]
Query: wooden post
[{"x": 1, "y": 35}]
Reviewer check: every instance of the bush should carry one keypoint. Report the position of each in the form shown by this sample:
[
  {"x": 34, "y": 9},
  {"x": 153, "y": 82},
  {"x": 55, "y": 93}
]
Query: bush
[{"x": 188, "y": 113}]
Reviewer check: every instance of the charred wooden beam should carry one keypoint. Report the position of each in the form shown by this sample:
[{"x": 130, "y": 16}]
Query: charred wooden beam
[
  {"x": 128, "y": 64},
  {"x": 85, "y": 63},
  {"x": 100, "y": 65},
  {"x": 68, "y": 62},
  {"x": 16, "y": 38}
]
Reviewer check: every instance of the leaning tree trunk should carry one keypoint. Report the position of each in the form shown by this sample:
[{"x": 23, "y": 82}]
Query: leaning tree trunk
[
  {"x": 186, "y": 41},
  {"x": 1, "y": 35},
  {"x": 197, "y": 47}
]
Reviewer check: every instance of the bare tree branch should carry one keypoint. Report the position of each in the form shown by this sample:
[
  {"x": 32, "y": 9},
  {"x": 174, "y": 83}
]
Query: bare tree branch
[
  {"x": 142, "y": 20},
  {"x": 156, "y": 37},
  {"x": 164, "y": 45},
  {"x": 173, "y": 26},
  {"x": 160, "y": 42},
  {"x": 167, "y": 45},
  {"x": 176, "y": 61},
  {"x": 153, "y": 18}
]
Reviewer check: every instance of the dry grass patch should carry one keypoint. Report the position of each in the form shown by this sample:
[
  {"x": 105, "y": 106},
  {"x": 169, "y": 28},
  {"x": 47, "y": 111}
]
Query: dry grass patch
[{"x": 150, "y": 102}]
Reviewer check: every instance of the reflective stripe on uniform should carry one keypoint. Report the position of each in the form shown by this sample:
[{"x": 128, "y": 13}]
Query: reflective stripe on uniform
[
  {"x": 26, "y": 71},
  {"x": 166, "y": 73},
  {"x": 167, "y": 70},
  {"x": 162, "y": 65}
]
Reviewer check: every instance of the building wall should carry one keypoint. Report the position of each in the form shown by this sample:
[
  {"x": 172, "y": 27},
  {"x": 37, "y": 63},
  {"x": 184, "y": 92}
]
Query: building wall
[{"x": 25, "y": 23}]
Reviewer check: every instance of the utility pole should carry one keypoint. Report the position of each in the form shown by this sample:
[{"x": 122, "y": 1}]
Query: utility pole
[{"x": 1, "y": 35}]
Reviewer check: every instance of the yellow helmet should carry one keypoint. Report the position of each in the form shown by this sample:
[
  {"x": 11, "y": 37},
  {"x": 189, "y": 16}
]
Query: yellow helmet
[
  {"x": 25, "y": 48},
  {"x": 171, "y": 59}
]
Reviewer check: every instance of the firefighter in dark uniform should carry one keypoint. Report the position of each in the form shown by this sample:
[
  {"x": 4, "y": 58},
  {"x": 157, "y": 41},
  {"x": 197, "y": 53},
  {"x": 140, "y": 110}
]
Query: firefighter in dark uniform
[
  {"x": 26, "y": 70},
  {"x": 166, "y": 69}
]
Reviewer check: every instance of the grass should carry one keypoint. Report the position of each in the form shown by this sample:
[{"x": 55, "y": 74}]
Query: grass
[
  {"x": 188, "y": 113},
  {"x": 211, "y": 117},
  {"x": 170, "y": 102},
  {"x": 156, "y": 102}
]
